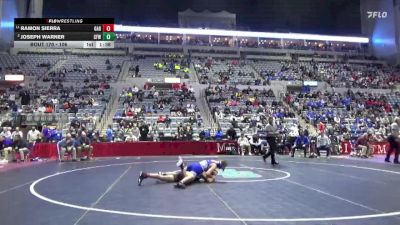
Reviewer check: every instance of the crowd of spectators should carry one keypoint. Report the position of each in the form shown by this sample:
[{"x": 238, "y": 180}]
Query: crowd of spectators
[
  {"x": 242, "y": 42},
  {"x": 349, "y": 116},
  {"x": 336, "y": 74},
  {"x": 211, "y": 71}
]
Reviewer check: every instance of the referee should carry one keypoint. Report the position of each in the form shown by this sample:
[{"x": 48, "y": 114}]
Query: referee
[{"x": 272, "y": 133}]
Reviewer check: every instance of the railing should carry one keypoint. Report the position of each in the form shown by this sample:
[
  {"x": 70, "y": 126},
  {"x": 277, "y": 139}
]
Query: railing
[
  {"x": 207, "y": 111},
  {"x": 108, "y": 110}
]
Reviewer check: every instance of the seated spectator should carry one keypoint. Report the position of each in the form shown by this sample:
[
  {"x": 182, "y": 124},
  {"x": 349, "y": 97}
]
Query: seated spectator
[
  {"x": 46, "y": 135},
  {"x": 301, "y": 143},
  {"x": 244, "y": 145},
  {"x": 67, "y": 144},
  {"x": 6, "y": 132},
  {"x": 363, "y": 144},
  {"x": 84, "y": 144},
  {"x": 17, "y": 132},
  {"x": 56, "y": 135},
  {"x": 256, "y": 145},
  {"x": 20, "y": 146},
  {"x": 219, "y": 135},
  {"x": 33, "y": 136},
  {"x": 207, "y": 134},
  {"x": 161, "y": 119},
  {"x": 5, "y": 147},
  {"x": 323, "y": 143}
]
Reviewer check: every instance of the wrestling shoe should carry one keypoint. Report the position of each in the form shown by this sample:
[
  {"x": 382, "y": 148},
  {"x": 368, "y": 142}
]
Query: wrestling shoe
[
  {"x": 180, "y": 185},
  {"x": 180, "y": 163},
  {"x": 142, "y": 176}
]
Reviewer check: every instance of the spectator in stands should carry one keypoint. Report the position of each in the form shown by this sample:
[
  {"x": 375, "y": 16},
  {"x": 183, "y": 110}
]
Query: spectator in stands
[
  {"x": 56, "y": 135},
  {"x": 46, "y": 135},
  {"x": 84, "y": 144},
  {"x": 135, "y": 132},
  {"x": 6, "y": 132},
  {"x": 189, "y": 132},
  {"x": 256, "y": 145},
  {"x": 137, "y": 70},
  {"x": 17, "y": 132},
  {"x": 244, "y": 145},
  {"x": 219, "y": 135},
  {"x": 6, "y": 147},
  {"x": 20, "y": 147},
  {"x": 180, "y": 132},
  {"x": 301, "y": 143},
  {"x": 109, "y": 134},
  {"x": 393, "y": 140},
  {"x": 67, "y": 144},
  {"x": 207, "y": 134},
  {"x": 323, "y": 143},
  {"x": 144, "y": 131},
  {"x": 231, "y": 133},
  {"x": 363, "y": 144},
  {"x": 33, "y": 136}
]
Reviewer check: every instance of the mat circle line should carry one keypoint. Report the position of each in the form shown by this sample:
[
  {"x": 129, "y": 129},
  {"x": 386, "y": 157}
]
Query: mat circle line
[{"x": 310, "y": 219}]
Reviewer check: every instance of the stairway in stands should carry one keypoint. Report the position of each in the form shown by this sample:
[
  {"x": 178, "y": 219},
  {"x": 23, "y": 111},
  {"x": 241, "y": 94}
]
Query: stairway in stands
[
  {"x": 203, "y": 106},
  {"x": 122, "y": 82}
]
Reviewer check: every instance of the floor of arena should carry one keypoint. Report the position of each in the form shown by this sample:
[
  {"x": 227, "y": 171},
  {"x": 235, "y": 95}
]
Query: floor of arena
[{"x": 298, "y": 191}]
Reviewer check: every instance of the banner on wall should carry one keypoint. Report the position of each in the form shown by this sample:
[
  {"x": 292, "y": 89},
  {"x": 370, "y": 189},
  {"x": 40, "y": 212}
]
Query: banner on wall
[{"x": 380, "y": 148}]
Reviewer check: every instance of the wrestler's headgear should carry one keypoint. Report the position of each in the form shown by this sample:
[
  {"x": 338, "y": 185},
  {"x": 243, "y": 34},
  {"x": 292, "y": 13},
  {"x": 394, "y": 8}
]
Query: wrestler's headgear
[{"x": 222, "y": 164}]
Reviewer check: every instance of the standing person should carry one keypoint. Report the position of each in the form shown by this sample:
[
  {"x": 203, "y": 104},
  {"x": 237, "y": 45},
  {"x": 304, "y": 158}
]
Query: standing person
[
  {"x": 393, "y": 140},
  {"x": 136, "y": 70},
  {"x": 144, "y": 131},
  {"x": 109, "y": 134},
  {"x": 272, "y": 133}
]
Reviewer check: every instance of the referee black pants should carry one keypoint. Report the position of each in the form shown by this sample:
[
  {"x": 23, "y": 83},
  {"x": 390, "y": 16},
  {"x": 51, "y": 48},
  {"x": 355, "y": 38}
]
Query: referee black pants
[
  {"x": 393, "y": 147},
  {"x": 272, "y": 148}
]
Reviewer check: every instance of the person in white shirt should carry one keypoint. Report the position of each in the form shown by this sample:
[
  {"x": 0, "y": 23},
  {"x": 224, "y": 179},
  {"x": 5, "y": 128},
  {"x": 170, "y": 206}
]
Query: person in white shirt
[
  {"x": 244, "y": 145},
  {"x": 33, "y": 135},
  {"x": 17, "y": 132},
  {"x": 323, "y": 143},
  {"x": 6, "y": 132}
]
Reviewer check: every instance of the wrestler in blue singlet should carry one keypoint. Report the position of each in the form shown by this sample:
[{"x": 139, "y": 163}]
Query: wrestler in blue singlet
[{"x": 198, "y": 168}]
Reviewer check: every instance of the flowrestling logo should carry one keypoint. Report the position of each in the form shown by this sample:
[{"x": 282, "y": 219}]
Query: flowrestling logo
[{"x": 377, "y": 15}]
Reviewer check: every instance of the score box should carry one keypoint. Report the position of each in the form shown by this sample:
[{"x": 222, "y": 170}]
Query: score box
[
  {"x": 108, "y": 36},
  {"x": 108, "y": 27}
]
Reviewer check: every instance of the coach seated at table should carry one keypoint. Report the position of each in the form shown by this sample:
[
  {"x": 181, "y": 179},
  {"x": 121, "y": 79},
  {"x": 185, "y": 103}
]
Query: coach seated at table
[
  {"x": 20, "y": 146},
  {"x": 301, "y": 143},
  {"x": 364, "y": 146},
  {"x": 67, "y": 144},
  {"x": 84, "y": 144},
  {"x": 244, "y": 145},
  {"x": 323, "y": 143}
]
